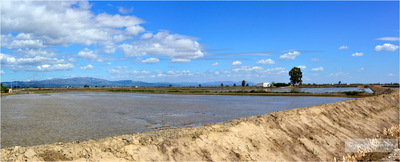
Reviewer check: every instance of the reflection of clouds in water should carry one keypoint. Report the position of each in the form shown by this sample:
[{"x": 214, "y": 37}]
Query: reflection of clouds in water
[{"x": 83, "y": 116}]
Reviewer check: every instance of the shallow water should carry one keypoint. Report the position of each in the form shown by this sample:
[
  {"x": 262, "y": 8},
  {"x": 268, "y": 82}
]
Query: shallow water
[
  {"x": 64, "y": 117},
  {"x": 308, "y": 90}
]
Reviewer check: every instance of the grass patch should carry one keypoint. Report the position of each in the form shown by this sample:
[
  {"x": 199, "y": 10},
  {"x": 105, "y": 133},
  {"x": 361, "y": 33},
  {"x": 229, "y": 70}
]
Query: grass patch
[
  {"x": 352, "y": 92},
  {"x": 131, "y": 90}
]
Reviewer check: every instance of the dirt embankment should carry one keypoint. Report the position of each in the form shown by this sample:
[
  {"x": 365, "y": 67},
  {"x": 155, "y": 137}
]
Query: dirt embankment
[
  {"x": 378, "y": 90},
  {"x": 311, "y": 133}
]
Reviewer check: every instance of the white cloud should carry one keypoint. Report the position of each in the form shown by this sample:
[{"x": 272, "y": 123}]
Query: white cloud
[
  {"x": 146, "y": 36},
  {"x": 47, "y": 67},
  {"x": 316, "y": 59},
  {"x": 258, "y": 70},
  {"x": 88, "y": 67},
  {"x": 236, "y": 63},
  {"x": 289, "y": 55},
  {"x": 26, "y": 44},
  {"x": 343, "y": 47},
  {"x": 339, "y": 74},
  {"x": 124, "y": 10},
  {"x": 361, "y": 69},
  {"x": 88, "y": 54},
  {"x": 358, "y": 54},
  {"x": 177, "y": 47},
  {"x": 2, "y": 72},
  {"x": 109, "y": 63},
  {"x": 36, "y": 52},
  {"x": 180, "y": 60},
  {"x": 392, "y": 75},
  {"x": 387, "y": 47},
  {"x": 66, "y": 22},
  {"x": 134, "y": 30},
  {"x": 317, "y": 69},
  {"x": 151, "y": 60},
  {"x": 302, "y": 67},
  {"x": 125, "y": 72},
  {"x": 389, "y": 38},
  {"x": 215, "y": 64},
  {"x": 30, "y": 63},
  {"x": 122, "y": 67},
  {"x": 265, "y": 62}
]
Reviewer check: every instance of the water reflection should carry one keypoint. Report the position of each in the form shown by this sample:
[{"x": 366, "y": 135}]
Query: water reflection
[{"x": 44, "y": 119}]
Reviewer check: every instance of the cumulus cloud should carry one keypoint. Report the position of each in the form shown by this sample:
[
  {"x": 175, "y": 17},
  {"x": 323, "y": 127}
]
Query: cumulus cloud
[
  {"x": 2, "y": 72},
  {"x": 146, "y": 36},
  {"x": 47, "y": 67},
  {"x": 36, "y": 52},
  {"x": 386, "y": 47},
  {"x": 358, "y": 54},
  {"x": 343, "y": 47},
  {"x": 37, "y": 60},
  {"x": 389, "y": 38},
  {"x": 88, "y": 67},
  {"x": 215, "y": 64},
  {"x": 30, "y": 63},
  {"x": 26, "y": 44},
  {"x": 317, "y": 69},
  {"x": 151, "y": 61},
  {"x": 134, "y": 30},
  {"x": 289, "y": 55},
  {"x": 302, "y": 66},
  {"x": 87, "y": 54},
  {"x": 236, "y": 63},
  {"x": 177, "y": 47},
  {"x": 258, "y": 70},
  {"x": 66, "y": 22},
  {"x": 265, "y": 62}
]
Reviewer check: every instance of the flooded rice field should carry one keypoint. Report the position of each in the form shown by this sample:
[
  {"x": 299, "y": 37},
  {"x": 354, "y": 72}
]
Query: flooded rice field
[
  {"x": 307, "y": 90},
  {"x": 36, "y": 119}
]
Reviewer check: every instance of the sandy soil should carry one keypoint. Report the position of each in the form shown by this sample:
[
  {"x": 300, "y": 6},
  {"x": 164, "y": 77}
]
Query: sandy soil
[{"x": 305, "y": 134}]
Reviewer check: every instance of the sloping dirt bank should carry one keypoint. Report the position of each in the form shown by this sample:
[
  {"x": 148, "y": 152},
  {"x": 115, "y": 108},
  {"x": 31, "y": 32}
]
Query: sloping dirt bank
[{"x": 306, "y": 134}]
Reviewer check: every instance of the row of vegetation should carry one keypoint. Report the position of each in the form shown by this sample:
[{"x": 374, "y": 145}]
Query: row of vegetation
[{"x": 3, "y": 89}]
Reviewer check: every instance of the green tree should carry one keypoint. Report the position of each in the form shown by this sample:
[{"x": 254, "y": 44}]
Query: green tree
[
  {"x": 247, "y": 84},
  {"x": 222, "y": 84},
  {"x": 295, "y": 76},
  {"x": 243, "y": 83},
  {"x": 199, "y": 85},
  {"x": 234, "y": 84},
  {"x": 3, "y": 88}
]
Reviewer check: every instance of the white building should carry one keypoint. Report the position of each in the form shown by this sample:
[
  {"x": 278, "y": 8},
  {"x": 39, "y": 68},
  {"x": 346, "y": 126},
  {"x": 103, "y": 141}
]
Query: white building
[{"x": 263, "y": 85}]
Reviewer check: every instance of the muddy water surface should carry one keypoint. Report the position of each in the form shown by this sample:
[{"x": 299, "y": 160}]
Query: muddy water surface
[{"x": 37, "y": 119}]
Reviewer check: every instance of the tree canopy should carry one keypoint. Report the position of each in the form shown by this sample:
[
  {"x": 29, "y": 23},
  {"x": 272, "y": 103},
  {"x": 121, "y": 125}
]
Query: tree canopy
[{"x": 295, "y": 76}]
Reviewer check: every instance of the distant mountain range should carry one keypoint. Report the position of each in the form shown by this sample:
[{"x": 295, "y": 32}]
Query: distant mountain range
[{"x": 81, "y": 81}]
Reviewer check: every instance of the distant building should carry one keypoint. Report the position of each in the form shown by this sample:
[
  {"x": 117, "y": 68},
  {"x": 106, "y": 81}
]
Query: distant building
[
  {"x": 9, "y": 90},
  {"x": 263, "y": 85}
]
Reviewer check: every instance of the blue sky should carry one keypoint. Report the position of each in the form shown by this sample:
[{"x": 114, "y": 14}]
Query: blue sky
[{"x": 352, "y": 42}]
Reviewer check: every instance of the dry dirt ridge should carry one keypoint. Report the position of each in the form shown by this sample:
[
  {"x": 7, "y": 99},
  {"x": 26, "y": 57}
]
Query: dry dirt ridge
[{"x": 305, "y": 134}]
